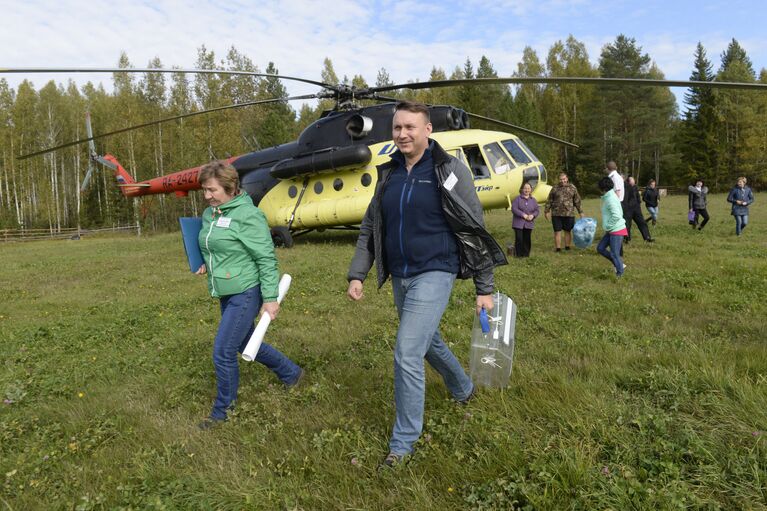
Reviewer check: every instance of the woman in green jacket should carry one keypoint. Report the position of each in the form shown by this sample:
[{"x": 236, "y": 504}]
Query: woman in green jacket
[
  {"x": 242, "y": 273},
  {"x": 615, "y": 226}
]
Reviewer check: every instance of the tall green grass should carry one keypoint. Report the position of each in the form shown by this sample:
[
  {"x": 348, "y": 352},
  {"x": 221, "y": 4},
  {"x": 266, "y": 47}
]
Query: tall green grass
[{"x": 648, "y": 392}]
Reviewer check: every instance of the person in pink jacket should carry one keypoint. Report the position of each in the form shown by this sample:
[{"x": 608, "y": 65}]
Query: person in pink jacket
[{"x": 525, "y": 209}]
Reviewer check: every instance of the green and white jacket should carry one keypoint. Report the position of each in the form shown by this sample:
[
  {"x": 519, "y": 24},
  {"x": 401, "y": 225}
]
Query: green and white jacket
[{"x": 237, "y": 247}]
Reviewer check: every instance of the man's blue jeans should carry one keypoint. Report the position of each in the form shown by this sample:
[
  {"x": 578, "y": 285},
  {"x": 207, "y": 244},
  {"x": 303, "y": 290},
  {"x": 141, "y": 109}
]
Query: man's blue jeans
[
  {"x": 741, "y": 221},
  {"x": 234, "y": 331},
  {"x": 653, "y": 210},
  {"x": 614, "y": 254},
  {"x": 421, "y": 301}
]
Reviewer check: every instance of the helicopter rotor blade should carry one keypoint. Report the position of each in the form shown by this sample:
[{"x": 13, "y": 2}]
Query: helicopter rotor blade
[
  {"x": 520, "y": 128},
  {"x": 29, "y": 70},
  {"x": 166, "y": 119},
  {"x": 571, "y": 80},
  {"x": 379, "y": 97}
]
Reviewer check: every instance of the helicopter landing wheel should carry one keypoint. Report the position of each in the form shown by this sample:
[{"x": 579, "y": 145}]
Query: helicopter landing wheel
[{"x": 281, "y": 237}]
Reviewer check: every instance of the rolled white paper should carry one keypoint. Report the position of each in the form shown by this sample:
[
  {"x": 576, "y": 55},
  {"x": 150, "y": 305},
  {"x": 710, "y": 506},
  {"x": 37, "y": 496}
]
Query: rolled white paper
[{"x": 254, "y": 343}]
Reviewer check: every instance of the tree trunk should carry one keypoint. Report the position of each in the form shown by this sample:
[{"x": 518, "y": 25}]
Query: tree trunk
[
  {"x": 15, "y": 191},
  {"x": 132, "y": 156}
]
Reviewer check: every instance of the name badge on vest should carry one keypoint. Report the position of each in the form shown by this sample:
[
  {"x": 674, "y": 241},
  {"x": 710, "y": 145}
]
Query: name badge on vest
[
  {"x": 450, "y": 182},
  {"x": 223, "y": 222}
]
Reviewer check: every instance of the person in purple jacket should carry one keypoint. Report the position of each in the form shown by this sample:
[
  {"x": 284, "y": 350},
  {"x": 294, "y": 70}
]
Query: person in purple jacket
[{"x": 525, "y": 210}]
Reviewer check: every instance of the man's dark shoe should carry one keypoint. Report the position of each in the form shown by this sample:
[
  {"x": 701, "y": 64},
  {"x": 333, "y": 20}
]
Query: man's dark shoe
[
  {"x": 650, "y": 240},
  {"x": 210, "y": 423},
  {"x": 469, "y": 397},
  {"x": 391, "y": 461},
  {"x": 298, "y": 381}
]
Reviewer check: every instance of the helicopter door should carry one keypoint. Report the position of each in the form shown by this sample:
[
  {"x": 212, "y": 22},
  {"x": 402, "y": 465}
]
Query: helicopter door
[
  {"x": 476, "y": 162},
  {"x": 458, "y": 153}
]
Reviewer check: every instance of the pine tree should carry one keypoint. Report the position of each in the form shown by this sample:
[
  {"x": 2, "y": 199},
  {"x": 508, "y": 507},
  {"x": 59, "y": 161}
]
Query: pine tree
[
  {"x": 739, "y": 135},
  {"x": 564, "y": 104},
  {"x": 621, "y": 120},
  {"x": 278, "y": 123},
  {"x": 329, "y": 77},
  {"x": 698, "y": 137},
  {"x": 527, "y": 107}
]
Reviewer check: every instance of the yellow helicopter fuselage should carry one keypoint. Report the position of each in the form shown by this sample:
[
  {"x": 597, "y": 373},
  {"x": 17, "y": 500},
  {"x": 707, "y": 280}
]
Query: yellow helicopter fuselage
[{"x": 500, "y": 163}]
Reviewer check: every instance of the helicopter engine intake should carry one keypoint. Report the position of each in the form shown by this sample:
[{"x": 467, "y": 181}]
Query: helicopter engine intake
[{"x": 358, "y": 126}]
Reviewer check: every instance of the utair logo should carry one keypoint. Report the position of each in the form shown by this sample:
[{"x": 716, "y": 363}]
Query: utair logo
[
  {"x": 485, "y": 188},
  {"x": 388, "y": 148}
]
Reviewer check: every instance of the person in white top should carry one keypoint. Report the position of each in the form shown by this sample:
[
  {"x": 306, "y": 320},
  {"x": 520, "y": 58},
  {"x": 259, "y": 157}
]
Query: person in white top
[{"x": 612, "y": 173}]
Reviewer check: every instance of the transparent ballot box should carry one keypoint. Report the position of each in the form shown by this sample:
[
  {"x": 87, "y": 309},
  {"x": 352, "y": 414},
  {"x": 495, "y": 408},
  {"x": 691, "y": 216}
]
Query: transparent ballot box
[{"x": 492, "y": 343}]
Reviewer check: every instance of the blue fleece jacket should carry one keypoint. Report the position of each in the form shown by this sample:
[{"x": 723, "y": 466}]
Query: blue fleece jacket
[{"x": 417, "y": 236}]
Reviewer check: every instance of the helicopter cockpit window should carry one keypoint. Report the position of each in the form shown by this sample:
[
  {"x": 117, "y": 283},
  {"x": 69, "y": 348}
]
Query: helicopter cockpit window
[
  {"x": 476, "y": 162},
  {"x": 530, "y": 175},
  {"x": 514, "y": 148},
  {"x": 497, "y": 158}
]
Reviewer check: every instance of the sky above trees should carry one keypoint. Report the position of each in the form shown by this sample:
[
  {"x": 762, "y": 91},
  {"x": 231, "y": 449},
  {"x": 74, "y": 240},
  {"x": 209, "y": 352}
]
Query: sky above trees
[{"x": 406, "y": 38}]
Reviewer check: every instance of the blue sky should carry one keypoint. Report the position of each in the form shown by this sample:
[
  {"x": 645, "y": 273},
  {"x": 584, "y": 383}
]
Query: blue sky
[{"x": 406, "y": 38}]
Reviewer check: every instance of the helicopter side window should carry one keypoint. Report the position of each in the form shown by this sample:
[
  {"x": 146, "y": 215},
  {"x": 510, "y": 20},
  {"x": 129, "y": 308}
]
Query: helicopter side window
[
  {"x": 497, "y": 158},
  {"x": 516, "y": 151},
  {"x": 476, "y": 162}
]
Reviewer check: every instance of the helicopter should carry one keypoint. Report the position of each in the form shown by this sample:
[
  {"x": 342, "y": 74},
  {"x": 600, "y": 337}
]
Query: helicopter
[{"x": 325, "y": 179}]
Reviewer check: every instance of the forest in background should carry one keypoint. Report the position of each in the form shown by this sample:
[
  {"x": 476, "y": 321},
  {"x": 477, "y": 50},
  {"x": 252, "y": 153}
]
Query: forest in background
[{"x": 718, "y": 135}]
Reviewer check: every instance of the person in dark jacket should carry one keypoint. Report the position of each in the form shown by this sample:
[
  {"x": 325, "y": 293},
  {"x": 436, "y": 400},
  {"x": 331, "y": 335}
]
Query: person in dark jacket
[
  {"x": 651, "y": 197},
  {"x": 424, "y": 227},
  {"x": 632, "y": 210},
  {"x": 697, "y": 200},
  {"x": 525, "y": 210},
  {"x": 741, "y": 197}
]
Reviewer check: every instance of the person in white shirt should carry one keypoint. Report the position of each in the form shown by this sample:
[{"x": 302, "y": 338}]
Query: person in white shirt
[{"x": 612, "y": 173}]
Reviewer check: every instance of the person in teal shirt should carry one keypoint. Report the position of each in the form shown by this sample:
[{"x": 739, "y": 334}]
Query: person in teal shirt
[
  {"x": 242, "y": 272},
  {"x": 615, "y": 226}
]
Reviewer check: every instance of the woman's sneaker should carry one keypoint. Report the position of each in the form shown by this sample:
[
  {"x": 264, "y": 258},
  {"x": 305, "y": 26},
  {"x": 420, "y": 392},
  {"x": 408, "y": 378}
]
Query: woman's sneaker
[{"x": 297, "y": 382}]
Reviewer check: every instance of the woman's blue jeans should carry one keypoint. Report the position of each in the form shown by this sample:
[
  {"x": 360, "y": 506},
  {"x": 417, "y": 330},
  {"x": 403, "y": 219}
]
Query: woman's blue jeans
[
  {"x": 653, "y": 210},
  {"x": 741, "y": 221},
  {"x": 614, "y": 254},
  {"x": 234, "y": 331},
  {"x": 421, "y": 301}
]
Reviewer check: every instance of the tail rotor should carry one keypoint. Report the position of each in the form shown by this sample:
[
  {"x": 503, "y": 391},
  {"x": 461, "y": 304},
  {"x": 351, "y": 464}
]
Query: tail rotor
[{"x": 92, "y": 154}]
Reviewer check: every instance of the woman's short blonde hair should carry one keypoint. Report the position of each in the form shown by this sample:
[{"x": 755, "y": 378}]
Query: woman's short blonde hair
[{"x": 226, "y": 175}]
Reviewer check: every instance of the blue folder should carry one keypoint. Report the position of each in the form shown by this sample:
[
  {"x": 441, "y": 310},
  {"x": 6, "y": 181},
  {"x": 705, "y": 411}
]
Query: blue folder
[{"x": 190, "y": 231}]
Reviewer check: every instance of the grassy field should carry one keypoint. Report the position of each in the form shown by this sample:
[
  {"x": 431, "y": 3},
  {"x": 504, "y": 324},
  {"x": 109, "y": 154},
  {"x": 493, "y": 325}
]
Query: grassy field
[{"x": 648, "y": 392}]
